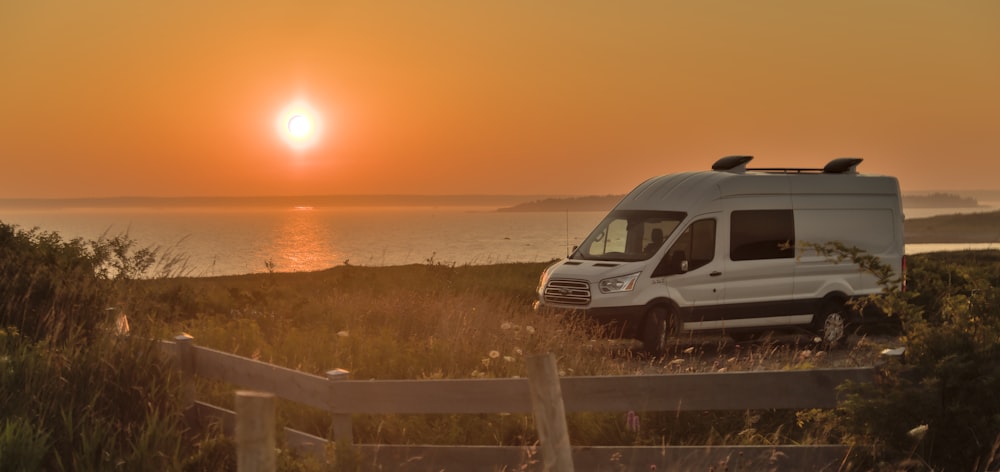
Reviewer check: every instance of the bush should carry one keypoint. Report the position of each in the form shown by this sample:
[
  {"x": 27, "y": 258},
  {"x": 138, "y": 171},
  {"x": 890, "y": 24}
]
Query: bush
[
  {"x": 48, "y": 287},
  {"x": 74, "y": 394},
  {"x": 937, "y": 409}
]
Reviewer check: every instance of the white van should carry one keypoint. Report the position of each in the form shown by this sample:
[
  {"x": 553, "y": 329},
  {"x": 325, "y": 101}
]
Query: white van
[{"x": 716, "y": 251}]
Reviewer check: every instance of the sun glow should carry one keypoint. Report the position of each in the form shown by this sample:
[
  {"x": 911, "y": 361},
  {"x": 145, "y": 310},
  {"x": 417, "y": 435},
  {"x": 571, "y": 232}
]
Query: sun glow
[{"x": 299, "y": 125}]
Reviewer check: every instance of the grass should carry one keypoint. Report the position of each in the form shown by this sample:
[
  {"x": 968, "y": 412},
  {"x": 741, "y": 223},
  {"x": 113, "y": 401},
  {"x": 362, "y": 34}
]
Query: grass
[
  {"x": 443, "y": 322},
  {"x": 982, "y": 227},
  {"x": 74, "y": 396}
]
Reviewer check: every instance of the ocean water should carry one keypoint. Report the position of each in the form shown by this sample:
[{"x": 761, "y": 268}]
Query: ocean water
[
  {"x": 238, "y": 240},
  {"x": 219, "y": 239}
]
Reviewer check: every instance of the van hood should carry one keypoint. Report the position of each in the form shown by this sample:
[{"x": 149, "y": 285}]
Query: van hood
[{"x": 593, "y": 269}]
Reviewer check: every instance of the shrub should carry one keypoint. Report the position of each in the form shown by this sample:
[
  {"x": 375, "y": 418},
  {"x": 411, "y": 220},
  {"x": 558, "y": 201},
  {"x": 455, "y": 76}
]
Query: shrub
[
  {"x": 936, "y": 409},
  {"x": 74, "y": 395},
  {"x": 49, "y": 287}
]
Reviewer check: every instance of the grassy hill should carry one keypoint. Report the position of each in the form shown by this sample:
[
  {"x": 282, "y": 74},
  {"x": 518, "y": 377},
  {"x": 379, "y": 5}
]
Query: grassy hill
[{"x": 962, "y": 228}]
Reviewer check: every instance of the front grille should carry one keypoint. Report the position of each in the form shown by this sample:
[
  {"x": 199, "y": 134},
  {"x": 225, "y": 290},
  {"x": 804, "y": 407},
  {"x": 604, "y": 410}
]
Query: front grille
[{"x": 567, "y": 292}]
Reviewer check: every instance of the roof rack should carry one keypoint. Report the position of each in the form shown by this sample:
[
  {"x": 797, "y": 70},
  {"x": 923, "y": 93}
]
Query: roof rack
[{"x": 738, "y": 165}]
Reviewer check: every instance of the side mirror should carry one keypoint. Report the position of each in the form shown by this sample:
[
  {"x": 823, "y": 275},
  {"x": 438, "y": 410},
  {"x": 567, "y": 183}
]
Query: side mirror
[{"x": 683, "y": 266}]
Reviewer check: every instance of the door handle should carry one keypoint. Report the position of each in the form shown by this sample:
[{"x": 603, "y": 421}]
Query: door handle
[{"x": 715, "y": 273}]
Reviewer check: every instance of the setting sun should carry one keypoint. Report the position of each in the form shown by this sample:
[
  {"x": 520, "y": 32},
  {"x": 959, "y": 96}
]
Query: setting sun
[{"x": 298, "y": 124}]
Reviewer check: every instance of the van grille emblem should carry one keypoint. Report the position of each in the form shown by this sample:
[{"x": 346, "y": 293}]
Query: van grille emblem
[{"x": 567, "y": 292}]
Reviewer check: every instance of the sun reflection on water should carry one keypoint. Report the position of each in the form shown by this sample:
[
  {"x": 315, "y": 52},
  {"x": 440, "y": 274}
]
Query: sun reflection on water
[{"x": 302, "y": 243}]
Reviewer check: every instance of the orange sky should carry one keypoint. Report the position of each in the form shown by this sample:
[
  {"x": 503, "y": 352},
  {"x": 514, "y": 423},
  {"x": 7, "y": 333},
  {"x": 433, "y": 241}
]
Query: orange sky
[{"x": 180, "y": 98}]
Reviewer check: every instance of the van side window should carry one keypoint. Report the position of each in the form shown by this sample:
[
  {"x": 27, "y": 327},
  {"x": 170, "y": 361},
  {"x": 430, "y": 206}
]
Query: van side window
[
  {"x": 696, "y": 245},
  {"x": 762, "y": 234}
]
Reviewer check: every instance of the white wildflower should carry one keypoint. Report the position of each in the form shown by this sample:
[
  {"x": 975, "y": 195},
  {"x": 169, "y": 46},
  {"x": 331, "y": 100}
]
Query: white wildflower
[{"x": 918, "y": 432}]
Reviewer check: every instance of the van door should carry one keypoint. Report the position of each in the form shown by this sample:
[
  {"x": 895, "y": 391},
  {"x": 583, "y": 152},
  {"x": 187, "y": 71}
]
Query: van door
[
  {"x": 691, "y": 269},
  {"x": 759, "y": 272}
]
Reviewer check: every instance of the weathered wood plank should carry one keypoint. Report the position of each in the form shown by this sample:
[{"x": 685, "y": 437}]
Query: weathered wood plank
[
  {"x": 255, "y": 431},
  {"x": 431, "y": 396},
  {"x": 415, "y": 458},
  {"x": 389, "y": 457},
  {"x": 343, "y": 427},
  {"x": 307, "y": 389},
  {"x": 792, "y": 389},
  {"x": 672, "y": 392},
  {"x": 550, "y": 415},
  {"x": 797, "y": 389}
]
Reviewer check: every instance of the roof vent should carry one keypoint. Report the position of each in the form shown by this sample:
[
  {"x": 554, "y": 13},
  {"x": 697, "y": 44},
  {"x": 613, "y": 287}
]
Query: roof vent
[
  {"x": 843, "y": 165},
  {"x": 735, "y": 164}
]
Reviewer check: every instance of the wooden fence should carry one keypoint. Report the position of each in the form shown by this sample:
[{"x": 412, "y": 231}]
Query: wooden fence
[{"x": 342, "y": 397}]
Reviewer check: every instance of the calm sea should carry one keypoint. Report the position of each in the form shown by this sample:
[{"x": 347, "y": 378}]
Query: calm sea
[
  {"x": 245, "y": 238},
  {"x": 241, "y": 239}
]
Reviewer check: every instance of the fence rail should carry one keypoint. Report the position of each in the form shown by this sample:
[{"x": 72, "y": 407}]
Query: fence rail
[{"x": 672, "y": 392}]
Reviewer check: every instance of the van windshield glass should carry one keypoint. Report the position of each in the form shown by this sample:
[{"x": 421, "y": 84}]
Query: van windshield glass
[{"x": 629, "y": 235}]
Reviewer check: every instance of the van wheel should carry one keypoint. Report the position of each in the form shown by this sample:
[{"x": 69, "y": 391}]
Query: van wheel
[
  {"x": 832, "y": 324},
  {"x": 656, "y": 329}
]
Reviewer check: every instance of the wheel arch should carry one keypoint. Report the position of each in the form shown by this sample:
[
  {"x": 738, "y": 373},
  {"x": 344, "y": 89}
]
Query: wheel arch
[
  {"x": 672, "y": 307},
  {"x": 836, "y": 297}
]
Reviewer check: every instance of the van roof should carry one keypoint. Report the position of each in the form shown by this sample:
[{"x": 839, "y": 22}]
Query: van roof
[{"x": 690, "y": 189}]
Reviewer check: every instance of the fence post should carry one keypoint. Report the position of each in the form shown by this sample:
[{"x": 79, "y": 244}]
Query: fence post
[
  {"x": 343, "y": 431},
  {"x": 185, "y": 360},
  {"x": 550, "y": 413},
  {"x": 255, "y": 437}
]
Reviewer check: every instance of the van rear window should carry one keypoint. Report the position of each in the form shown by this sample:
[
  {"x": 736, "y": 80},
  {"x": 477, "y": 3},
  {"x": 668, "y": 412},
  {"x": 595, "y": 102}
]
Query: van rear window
[{"x": 761, "y": 234}]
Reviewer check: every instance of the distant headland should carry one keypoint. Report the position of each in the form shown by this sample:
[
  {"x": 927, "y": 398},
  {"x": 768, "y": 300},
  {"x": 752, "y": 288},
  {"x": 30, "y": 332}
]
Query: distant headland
[
  {"x": 589, "y": 203},
  {"x": 939, "y": 200}
]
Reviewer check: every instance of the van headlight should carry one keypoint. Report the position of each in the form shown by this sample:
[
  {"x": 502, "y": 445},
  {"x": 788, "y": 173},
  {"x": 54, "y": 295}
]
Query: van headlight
[
  {"x": 624, "y": 283},
  {"x": 544, "y": 279}
]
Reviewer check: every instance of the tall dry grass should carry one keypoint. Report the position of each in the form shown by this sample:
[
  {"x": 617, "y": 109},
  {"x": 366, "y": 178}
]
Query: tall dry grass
[
  {"x": 74, "y": 393},
  {"x": 75, "y": 397},
  {"x": 434, "y": 321}
]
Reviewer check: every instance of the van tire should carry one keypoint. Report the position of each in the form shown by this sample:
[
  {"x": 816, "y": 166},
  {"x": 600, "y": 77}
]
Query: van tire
[
  {"x": 657, "y": 327},
  {"x": 832, "y": 324}
]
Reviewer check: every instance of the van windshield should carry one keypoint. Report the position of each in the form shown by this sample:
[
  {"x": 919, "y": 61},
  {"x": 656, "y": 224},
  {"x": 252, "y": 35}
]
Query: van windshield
[{"x": 629, "y": 235}]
